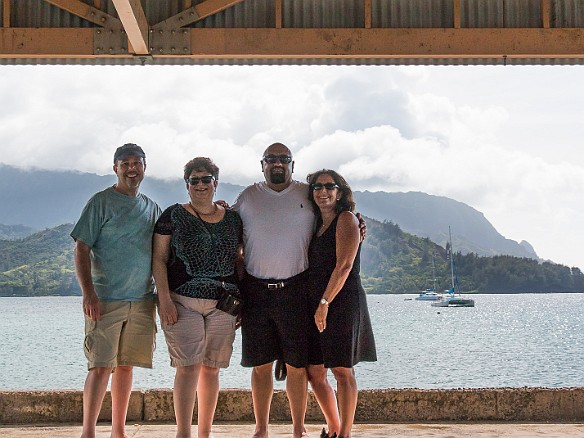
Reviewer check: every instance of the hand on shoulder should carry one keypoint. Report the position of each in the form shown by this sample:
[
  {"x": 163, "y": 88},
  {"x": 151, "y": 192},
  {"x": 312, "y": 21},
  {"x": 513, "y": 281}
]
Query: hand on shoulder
[{"x": 222, "y": 203}]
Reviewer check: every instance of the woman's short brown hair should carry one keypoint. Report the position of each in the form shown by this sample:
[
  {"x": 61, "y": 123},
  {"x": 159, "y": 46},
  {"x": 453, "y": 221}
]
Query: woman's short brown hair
[{"x": 199, "y": 164}]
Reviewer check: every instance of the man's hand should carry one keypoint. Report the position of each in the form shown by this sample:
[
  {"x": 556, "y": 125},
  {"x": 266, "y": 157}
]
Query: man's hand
[
  {"x": 223, "y": 204},
  {"x": 91, "y": 306},
  {"x": 362, "y": 227}
]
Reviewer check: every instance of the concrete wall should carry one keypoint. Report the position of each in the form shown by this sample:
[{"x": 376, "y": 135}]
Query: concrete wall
[{"x": 374, "y": 406}]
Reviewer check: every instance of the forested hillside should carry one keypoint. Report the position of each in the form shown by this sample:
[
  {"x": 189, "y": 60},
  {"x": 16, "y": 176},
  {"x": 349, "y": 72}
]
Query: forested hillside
[
  {"x": 40, "y": 264},
  {"x": 392, "y": 261}
]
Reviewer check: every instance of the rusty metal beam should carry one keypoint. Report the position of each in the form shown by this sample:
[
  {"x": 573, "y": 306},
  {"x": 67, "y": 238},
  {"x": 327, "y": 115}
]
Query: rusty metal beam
[
  {"x": 135, "y": 24},
  {"x": 278, "y": 13},
  {"x": 318, "y": 43},
  {"x": 6, "y": 13},
  {"x": 60, "y": 43},
  {"x": 193, "y": 14},
  {"x": 387, "y": 43},
  {"x": 211, "y": 7},
  {"x": 546, "y": 7},
  {"x": 456, "y": 18},
  {"x": 84, "y": 11},
  {"x": 367, "y": 10}
]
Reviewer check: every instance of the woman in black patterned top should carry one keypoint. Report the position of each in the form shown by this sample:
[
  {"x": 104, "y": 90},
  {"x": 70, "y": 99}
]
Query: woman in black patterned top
[{"x": 195, "y": 250}]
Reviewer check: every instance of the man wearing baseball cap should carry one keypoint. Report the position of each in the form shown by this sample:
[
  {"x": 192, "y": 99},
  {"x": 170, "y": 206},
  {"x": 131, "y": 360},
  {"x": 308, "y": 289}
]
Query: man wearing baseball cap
[{"x": 113, "y": 250}]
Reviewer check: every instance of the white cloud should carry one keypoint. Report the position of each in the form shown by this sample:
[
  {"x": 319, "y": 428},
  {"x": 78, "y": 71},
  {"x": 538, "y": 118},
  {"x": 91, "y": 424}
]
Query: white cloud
[{"x": 503, "y": 140}]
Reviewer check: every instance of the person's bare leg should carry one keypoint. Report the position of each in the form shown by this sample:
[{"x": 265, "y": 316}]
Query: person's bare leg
[
  {"x": 262, "y": 389},
  {"x": 325, "y": 396},
  {"x": 184, "y": 392},
  {"x": 296, "y": 390},
  {"x": 207, "y": 395},
  {"x": 121, "y": 391},
  {"x": 347, "y": 393},
  {"x": 93, "y": 394}
]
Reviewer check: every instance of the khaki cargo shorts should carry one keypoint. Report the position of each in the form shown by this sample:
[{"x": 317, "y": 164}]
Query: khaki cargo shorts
[{"x": 124, "y": 336}]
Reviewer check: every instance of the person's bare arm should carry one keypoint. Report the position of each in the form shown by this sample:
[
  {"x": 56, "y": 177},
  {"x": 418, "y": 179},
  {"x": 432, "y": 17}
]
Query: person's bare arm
[
  {"x": 82, "y": 260},
  {"x": 160, "y": 254},
  {"x": 348, "y": 237}
]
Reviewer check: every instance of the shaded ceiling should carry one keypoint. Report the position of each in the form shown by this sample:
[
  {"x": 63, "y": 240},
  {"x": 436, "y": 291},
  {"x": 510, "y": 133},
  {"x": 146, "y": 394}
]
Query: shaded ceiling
[{"x": 295, "y": 32}]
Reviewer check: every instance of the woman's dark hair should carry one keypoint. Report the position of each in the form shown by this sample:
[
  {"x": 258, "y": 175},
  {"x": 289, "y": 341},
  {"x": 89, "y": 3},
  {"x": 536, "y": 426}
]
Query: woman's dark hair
[
  {"x": 200, "y": 164},
  {"x": 346, "y": 203}
]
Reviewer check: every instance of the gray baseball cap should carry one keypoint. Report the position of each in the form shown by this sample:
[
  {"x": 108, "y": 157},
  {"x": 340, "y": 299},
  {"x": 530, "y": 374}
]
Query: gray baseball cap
[{"x": 127, "y": 150}]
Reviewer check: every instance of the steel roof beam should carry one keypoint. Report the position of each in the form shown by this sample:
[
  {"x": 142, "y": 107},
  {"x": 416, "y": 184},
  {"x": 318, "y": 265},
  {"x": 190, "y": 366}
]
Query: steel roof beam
[
  {"x": 235, "y": 43},
  {"x": 135, "y": 24},
  {"x": 387, "y": 43},
  {"x": 83, "y": 10},
  {"x": 211, "y": 7}
]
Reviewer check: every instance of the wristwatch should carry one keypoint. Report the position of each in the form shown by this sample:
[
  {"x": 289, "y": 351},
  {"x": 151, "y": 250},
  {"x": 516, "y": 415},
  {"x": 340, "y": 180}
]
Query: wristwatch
[{"x": 324, "y": 302}]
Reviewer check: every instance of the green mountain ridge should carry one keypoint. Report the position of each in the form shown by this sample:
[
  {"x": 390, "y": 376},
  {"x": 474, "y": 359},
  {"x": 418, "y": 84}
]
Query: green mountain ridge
[
  {"x": 392, "y": 261},
  {"x": 60, "y": 196},
  {"x": 12, "y": 232},
  {"x": 40, "y": 264}
]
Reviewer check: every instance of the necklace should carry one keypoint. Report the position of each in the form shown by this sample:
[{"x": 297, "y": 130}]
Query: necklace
[
  {"x": 325, "y": 225},
  {"x": 197, "y": 212}
]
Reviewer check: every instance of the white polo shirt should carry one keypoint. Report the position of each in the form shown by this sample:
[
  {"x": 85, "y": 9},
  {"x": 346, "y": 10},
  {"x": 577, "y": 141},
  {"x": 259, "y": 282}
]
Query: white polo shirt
[{"x": 277, "y": 229}]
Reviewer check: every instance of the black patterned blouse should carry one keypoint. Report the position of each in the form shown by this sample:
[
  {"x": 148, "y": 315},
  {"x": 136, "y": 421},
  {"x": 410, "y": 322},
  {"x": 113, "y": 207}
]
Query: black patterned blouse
[{"x": 202, "y": 254}]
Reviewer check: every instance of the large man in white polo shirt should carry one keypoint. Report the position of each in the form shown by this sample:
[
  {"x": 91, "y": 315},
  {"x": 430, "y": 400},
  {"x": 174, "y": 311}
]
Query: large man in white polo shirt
[{"x": 278, "y": 223}]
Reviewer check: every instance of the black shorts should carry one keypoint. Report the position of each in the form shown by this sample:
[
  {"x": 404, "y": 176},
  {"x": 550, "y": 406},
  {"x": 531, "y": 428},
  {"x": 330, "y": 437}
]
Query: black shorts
[{"x": 275, "y": 323}]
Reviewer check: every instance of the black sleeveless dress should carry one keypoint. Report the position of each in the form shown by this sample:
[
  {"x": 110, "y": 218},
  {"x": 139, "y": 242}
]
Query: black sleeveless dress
[{"x": 348, "y": 337}]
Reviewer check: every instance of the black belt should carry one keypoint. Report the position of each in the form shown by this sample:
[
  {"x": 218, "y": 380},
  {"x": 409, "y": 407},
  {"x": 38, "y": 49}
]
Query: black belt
[{"x": 273, "y": 284}]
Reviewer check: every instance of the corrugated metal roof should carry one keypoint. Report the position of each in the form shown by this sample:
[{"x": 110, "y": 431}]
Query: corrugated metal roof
[
  {"x": 319, "y": 14},
  {"x": 326, "y": 13}
]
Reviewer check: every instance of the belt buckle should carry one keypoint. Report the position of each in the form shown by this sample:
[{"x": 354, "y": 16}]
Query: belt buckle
[{"x": 278, "y": 285}]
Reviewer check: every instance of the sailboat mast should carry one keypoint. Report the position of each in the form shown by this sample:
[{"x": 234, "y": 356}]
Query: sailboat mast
[
  {"x": 451, "y": 258},
  {"x": 433, "y": 273}
]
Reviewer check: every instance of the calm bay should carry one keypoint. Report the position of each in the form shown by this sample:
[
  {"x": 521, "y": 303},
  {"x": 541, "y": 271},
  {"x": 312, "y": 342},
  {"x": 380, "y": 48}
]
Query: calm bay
[{"x": 519, "y": 340}]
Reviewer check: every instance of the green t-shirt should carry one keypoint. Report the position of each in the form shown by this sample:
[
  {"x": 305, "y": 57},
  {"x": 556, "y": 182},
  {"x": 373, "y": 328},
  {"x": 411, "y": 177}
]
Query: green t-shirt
[{"x": 118, "y": 229}]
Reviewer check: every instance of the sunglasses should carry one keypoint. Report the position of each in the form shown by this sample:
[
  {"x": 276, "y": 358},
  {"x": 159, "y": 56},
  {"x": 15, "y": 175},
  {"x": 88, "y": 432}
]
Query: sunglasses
[
  {"x": 271, "y": 159},
  {"x": 194, "y": 180},
  {"x": 328, "y": 186}
]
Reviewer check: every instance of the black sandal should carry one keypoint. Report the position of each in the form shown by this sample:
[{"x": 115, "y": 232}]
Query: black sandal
[{"x": 324, "y": 434}]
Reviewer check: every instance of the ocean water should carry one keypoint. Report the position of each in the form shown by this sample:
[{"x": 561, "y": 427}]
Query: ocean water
[{"x": 521, "y": 340}]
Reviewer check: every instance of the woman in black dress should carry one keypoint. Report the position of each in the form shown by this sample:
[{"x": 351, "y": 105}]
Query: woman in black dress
[{"x": 342, "y": 335}]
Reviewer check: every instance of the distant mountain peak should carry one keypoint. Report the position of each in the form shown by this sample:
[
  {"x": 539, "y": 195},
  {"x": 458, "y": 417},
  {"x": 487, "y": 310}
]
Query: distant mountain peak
[{"x": 42, "y": 198}]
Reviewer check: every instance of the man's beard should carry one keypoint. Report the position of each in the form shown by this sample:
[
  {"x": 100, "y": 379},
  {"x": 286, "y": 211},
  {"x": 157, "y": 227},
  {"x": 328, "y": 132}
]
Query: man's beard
[{"x": 277, "y": 178}]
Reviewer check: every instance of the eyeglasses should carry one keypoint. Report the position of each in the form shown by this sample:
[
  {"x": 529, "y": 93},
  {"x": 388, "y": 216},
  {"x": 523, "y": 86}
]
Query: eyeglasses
[
  {"x": 271, "y": 159},
  {"x": 328, "y": 186},
  {"x": 194, "y": 180}
]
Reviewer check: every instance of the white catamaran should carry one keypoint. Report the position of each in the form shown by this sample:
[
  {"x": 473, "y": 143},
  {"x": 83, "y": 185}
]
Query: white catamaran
[{"x": 452, "y": 298}]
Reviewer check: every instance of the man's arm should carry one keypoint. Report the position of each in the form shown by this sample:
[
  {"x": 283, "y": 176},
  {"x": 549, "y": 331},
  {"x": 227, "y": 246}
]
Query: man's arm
[
  {"x": 362, "y": 227},
  {"x": 83, "y": 271}
]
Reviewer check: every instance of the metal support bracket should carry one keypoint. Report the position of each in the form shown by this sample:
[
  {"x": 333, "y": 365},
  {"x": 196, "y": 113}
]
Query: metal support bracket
[
  {"x": 111, "y": 39},
  {"x": 169, "y": 38}
]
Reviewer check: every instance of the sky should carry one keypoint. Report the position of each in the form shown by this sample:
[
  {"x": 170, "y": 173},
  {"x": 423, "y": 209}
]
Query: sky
[{"x": 506, "y": 140}]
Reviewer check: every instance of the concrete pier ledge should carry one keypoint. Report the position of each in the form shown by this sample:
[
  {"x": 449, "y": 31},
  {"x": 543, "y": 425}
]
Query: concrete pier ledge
[{"x": 380, "y": 406}]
